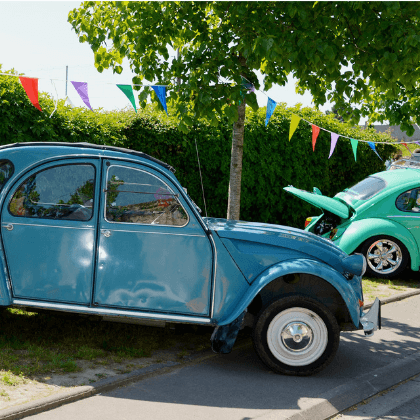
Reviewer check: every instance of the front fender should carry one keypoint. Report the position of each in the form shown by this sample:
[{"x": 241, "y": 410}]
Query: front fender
[
  {"x": 361, "y": 230},
  {"x": 304, "y": 266}
]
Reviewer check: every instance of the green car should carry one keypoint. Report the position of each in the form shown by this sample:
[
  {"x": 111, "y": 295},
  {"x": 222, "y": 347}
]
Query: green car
[{"x": 378, "y": 217}]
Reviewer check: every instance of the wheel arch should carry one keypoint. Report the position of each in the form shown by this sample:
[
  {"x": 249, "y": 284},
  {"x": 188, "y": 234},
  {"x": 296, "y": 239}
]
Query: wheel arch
[
  {"x": 360, "y": 231},
  {"x": 305, "y": 277}
]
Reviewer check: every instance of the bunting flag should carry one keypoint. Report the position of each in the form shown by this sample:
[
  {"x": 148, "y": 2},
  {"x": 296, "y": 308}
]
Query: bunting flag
[
  {"x": 31, "y": 88},
  {"x": 334, "y": 138},
  {"x": 271, "y": 106},
  {"x": 161, "y": 94},
  {"x": 372, "y": 146},
  {"x": 82, "y": 90},
  {"x": 293, "y": 125},
  {"x": 128, "y": 91},
  {"x": 405, "y": 144},
  {"x": 315, "y": 132},
  {"x": 354, "y": 144}
]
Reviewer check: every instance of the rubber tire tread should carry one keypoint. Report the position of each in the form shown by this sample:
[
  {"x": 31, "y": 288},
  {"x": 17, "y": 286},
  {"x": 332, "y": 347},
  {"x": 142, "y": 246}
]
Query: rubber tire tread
[{"x": 259, "y": 335}]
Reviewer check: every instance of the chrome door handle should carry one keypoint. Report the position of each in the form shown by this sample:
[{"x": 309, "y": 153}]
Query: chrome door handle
[
  {"x": 106, "y": 233},
  {"x": 8, "y": 227}
]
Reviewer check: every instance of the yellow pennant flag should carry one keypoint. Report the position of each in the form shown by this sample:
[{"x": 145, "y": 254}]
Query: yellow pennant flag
[{"x": 293, "y": 125}]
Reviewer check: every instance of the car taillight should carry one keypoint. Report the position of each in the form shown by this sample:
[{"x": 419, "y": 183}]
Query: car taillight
[{"x": 308, "y": 220}]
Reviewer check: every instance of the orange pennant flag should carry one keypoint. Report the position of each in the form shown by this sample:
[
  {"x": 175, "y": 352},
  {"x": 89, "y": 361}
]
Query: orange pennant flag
[
  {"x": 31, "y": 88},
  {"x": 315, "y": 132}
]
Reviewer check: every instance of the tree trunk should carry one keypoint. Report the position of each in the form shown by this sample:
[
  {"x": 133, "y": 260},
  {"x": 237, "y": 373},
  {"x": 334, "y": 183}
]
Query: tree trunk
[{"x": 234, "y": 199}]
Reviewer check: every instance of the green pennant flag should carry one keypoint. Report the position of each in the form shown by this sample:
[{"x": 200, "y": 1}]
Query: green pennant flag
[
  {"x": 128, "y": 91},
  {"x": 293, "y": 125},
  {"x": 354, "y": 144}
]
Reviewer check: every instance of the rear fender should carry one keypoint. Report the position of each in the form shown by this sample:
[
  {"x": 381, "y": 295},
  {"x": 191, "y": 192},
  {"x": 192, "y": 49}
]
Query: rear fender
[
  {"x": 302, "y": 266},
  {"x": 361, "y": 230}
]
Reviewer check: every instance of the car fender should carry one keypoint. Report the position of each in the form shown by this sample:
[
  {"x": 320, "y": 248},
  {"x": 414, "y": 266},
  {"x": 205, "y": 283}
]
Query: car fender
[
  {"x": 361, "y": 230},
  {"x": 303, "y": 266}
]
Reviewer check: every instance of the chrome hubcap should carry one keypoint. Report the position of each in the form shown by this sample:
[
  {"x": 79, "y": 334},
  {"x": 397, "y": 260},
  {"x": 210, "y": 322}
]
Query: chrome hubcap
[
  {"x": 384, "y": 256},
  {"x": 297, "y": 336}
]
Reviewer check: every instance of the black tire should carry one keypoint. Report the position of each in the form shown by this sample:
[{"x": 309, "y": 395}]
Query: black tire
[
  {"x": 390, "y": 262},
  {"x": 279, "y": 349}
]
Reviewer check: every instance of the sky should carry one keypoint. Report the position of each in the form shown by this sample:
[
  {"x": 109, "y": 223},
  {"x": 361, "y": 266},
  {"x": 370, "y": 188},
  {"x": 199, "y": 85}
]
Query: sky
[{"x": 37, "y": 40}]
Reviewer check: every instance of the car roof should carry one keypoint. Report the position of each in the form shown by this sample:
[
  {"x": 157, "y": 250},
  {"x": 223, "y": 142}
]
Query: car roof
[
  {"x": 399, "y": 177},
  {"x": 93, "y": 147}
]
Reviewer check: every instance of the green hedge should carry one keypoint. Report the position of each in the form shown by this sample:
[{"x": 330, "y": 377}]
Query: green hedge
[{"x": 270, "y": 161}]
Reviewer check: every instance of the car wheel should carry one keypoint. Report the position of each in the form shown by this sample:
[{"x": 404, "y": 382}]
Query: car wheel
[
  {"x": 386, "y": 256},
  {"x": 296, "y": 335}
]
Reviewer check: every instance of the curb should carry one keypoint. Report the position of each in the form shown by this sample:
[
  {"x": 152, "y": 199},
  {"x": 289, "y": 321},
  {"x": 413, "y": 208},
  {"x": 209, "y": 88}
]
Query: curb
[
  {"x": 395, "y": 298},
  {"x": 105, "y": 385},
  {"x": 335, "y": 401},
  {"x": 357, "y": 390}
]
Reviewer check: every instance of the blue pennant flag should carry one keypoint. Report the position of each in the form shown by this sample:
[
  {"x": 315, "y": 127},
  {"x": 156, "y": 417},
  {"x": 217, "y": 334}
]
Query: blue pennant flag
[
  {"x": 161, "y": 94},
  {"x": 372, "y": 146},
  {"x": 271, "y": 106}
]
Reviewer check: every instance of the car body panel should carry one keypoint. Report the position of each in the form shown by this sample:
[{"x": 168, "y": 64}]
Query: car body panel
[
  {"x": 321, "y": 201},
  {"x": 361, "y": 230},
  {"x": 349, "y": 291}
]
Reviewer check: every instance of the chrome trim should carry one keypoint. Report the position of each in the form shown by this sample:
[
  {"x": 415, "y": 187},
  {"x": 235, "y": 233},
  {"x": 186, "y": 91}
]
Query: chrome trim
[
  {"x": 149, "y": 173},
  {"x": 154, "y": 233},
  {"x": 59, "y": 227},
  {"x": 108, "y": 312},
  {"x": 213, "y": 292},
  {"x": 413, "y": 217},
  {"x": 9, "y": 226}
]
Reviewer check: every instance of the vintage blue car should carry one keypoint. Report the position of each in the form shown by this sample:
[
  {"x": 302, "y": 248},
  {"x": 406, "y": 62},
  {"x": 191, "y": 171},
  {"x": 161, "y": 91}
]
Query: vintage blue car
[{"x": 110, "y": 232}]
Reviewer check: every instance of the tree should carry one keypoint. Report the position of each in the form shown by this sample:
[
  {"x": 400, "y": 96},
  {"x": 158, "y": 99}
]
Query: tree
[{"x": 363, "y": 56}]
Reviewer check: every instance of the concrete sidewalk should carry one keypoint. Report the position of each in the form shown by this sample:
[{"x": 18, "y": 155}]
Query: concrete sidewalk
[{"x": 238, "y": 386}]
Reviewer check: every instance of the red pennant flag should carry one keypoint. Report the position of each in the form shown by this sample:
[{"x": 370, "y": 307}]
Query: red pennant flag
[
  {"x": 405, "y": 144},
  {"x": 31, "y": 88},
  {"x": 315, "y": 132}
]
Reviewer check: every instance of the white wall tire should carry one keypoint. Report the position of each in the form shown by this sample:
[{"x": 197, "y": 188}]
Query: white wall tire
[{"x": 296, "y": 335}]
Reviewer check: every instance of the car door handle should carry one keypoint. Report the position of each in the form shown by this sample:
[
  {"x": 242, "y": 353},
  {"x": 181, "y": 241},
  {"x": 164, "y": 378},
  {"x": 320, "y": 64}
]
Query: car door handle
[
  {"x": 106, "y": 233},
  {"x": 8, "y": 227}
]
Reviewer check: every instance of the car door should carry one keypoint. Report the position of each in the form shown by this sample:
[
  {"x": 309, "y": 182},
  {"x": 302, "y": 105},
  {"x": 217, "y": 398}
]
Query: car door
[
  {"x": 408, "y": 204},
  {"x": 49, "y": 231},
  {"x": 153, "y": 253}
]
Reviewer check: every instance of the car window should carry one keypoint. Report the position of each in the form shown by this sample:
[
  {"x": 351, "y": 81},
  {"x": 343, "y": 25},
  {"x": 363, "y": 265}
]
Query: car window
[
  {"x": 367, "y": 188},
  {"x": 136, "y": 196},
  {"x": 61, "y": 192},
  {"x": 409, "y": 201}
]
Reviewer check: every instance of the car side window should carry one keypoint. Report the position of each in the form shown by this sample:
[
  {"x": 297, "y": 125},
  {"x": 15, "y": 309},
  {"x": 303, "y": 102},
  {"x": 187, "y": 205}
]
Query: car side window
[
  {"x": 409, "y": 201},
  {"x": 136, "y": 196},
  {"x": 61, "y": 192}
]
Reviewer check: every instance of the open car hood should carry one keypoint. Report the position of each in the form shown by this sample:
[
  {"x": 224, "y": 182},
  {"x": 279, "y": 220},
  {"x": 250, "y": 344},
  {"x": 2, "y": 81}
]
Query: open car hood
[{"x": 332, "y": 205}]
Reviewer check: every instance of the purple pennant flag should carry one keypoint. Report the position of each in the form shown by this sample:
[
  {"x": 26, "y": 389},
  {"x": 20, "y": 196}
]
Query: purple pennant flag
[
  {"x": 271, "y": 105},
  {"x": 161, "y": 94},
  {"x": 334, "y": 138},
  {"x": 82, "y": 90}
]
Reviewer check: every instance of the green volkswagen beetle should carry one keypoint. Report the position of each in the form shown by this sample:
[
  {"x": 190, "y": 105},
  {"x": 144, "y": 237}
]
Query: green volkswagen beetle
[{"x": 378, "y": 217}]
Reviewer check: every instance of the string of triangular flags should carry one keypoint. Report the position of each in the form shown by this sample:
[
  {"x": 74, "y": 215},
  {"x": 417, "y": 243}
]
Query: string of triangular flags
[
  {"x": 30, "y": 85},
  {"x": 271, "y": 105}
]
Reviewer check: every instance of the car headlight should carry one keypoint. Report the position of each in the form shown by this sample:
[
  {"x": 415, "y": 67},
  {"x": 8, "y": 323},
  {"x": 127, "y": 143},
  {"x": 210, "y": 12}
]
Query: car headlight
[{"x": 355, "y": 264}]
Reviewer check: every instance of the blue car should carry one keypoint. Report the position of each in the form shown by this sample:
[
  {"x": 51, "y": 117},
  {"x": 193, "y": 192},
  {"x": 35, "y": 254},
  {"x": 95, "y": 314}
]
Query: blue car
[{"x": 110, "y": 232}]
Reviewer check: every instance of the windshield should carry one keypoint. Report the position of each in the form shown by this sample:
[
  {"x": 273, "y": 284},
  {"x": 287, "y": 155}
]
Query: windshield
[
  {"x": 6, "y": 171},
  {"x": 367, "y": 188}
]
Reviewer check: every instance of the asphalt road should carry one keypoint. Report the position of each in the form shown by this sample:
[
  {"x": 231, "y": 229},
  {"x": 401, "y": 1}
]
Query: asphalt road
[{"x": 239, "y": 387}]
